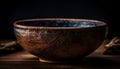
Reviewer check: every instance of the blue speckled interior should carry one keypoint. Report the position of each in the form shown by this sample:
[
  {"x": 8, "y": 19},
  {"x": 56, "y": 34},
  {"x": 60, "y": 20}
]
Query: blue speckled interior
[{"x": 60, "y": 23}]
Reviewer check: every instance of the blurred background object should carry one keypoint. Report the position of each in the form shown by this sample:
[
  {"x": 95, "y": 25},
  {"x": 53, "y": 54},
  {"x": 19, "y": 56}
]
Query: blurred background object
[
  {"x": 113, "y": 47},
  {"x": 9, "y": 46},
  {"x": 11, "y": 11}
]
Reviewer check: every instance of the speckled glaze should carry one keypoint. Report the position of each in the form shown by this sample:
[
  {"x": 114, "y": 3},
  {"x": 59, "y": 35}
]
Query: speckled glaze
[{"x": 59, "y": 39}]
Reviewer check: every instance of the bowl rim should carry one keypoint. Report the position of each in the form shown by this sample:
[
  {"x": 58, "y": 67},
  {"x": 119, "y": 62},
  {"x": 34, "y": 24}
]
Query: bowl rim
[{"x": 103, "y": 24}]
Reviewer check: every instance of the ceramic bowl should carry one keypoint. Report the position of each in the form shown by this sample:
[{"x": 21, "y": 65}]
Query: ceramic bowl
[{"x": 60, "y": 39}]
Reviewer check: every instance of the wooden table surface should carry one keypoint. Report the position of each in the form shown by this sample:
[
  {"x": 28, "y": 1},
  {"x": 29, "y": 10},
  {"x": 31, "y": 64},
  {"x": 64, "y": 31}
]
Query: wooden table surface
[{"x": 96, "y": 60}]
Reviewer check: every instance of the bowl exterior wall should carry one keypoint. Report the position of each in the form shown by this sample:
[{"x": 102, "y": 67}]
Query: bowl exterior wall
[{"x": 60, "y": 44}]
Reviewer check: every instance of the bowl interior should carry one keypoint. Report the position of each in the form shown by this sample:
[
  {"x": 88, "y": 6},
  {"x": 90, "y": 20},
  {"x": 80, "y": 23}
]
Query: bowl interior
[{"x": 61, "y": 23}]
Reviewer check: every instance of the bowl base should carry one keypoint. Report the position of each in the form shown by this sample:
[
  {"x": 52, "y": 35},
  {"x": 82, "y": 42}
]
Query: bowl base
[
  {"x": 62, "y": 61},
  {"x": 46, "y": 61}
]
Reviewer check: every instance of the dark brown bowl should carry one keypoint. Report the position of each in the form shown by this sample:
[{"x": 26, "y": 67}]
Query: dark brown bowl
[{"x": 60, "y": 39}]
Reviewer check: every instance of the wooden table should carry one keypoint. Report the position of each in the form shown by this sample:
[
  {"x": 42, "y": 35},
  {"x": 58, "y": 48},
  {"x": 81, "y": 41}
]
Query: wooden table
[{"x": 96, "y": 60}]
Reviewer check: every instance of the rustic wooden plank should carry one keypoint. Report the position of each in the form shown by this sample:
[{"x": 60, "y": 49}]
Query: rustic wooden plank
[{"x": 25, "y": 60}]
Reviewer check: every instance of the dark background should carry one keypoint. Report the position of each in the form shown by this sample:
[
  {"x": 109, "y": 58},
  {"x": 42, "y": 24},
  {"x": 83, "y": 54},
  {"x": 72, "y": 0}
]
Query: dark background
[{"x": 11, "y": 11}]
